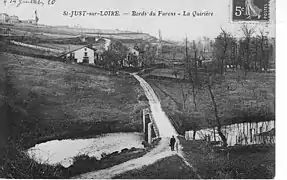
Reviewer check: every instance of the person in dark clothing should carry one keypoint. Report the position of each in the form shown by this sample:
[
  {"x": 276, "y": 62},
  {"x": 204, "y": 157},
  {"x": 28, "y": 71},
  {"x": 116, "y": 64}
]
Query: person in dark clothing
[{"x": 172, "y": 143}]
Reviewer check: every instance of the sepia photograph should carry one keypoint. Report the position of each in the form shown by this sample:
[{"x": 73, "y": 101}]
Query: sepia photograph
[{"x": 132, "y": 89}]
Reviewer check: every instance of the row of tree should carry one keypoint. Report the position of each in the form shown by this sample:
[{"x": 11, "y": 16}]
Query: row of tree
[{"x": 250, "y": 53}]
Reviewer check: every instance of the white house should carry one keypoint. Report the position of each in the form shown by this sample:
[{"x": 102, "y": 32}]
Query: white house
[
  {"x": 29, "y": 21},
  {"x": 4, "y": 17},
  {"x": 14, "y": 19},
  {"x": 83, "y": 54}
]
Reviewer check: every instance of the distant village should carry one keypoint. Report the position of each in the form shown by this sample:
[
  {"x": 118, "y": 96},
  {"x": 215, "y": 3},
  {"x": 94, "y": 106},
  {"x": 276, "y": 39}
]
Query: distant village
[
  {"x": 107, "y": 51},
  {"x": 95, "y": 50},
  {"x": 5, "y": 18}
]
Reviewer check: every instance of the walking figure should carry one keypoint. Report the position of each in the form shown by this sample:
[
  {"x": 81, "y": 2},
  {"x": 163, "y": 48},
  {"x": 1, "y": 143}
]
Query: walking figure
[{"x": 172, "y": 143}]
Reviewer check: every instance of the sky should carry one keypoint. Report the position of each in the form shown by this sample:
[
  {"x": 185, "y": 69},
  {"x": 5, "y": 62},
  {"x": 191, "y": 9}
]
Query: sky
[{"x": 172, "y": 28}]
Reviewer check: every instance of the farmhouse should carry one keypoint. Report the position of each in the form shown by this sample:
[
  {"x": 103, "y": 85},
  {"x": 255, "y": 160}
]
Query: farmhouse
[
  {"x": 102, "y": 43},
  {"x": 14, "y": 19},
  {"x": 85, "y": 54},
  {"x": 29, "y": 21},
  {"x": 134, "y": 58}
]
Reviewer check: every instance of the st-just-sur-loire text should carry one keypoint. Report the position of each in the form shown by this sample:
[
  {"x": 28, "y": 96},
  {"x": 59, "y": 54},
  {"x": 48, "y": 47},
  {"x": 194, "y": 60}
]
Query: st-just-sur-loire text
[
  {"x": 87, "y": 13},
  {"x": 165, "y": 13}
]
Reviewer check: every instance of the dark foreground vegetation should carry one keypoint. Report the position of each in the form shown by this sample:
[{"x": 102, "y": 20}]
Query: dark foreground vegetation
[
  {"x": 44, "y": 100},
  {"x": 168, "y": 168},
  {"x": 211, "y": 162},
  {"x": 238, "y": 162}
]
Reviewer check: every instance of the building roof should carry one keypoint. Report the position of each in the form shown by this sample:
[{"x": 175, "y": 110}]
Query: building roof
[
  {"x": 28, "y": 20},
  {"x": 14, "y": 16},
  {"x": 4, "y": 14},
  {"x": 75, "y": 49}
]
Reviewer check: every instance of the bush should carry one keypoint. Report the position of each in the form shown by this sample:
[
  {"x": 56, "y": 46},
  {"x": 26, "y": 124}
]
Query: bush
[{"x": 143, "y": 98}]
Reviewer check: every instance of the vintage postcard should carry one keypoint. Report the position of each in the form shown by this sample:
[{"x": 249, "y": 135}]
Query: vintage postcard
[{"x": 133, "y": 89}]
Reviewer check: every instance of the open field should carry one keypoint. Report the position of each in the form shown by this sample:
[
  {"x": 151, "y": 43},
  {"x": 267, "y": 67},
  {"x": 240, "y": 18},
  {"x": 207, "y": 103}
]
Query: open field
[
  {"x": 239, "y": 162},
  {"x": 167, "y": 168},
  {"x": 239, "y": 99},
  {"x": 52, "y": 32},
  {"x": 63, "y": 100}
]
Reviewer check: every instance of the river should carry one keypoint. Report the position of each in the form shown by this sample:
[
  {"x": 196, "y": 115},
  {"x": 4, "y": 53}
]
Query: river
[
  {"x": 239, "y": 134},
  {"x": 63, "y": 151}
]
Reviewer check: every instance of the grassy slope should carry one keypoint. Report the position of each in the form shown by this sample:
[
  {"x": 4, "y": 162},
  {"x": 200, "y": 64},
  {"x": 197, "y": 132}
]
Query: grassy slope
[
  {"x": 247, "y": 162},
  {"x": 238, "y": 98},
  {"x": 64, "y": 32},
  {"x": 167, "y": 168},
  {"x": 70, "y": 100}
]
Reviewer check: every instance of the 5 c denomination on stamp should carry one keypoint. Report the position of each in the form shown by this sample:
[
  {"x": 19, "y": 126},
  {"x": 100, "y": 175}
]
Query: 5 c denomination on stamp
[{"x": 250, "y": 10}]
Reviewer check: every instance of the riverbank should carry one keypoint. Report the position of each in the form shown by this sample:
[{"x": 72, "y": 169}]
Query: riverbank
[
  {"x": 239, "y": 99},
  {"x": 50, "y": 100},
  {"x": 20, "y": 165},
  {"x": 237, "y": 162}
]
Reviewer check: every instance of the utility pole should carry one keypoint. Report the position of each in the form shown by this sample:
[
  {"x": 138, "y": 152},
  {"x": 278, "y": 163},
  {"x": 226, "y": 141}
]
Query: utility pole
[
  {"x": 195, "y": 62},
  {"x": 159, "y": 46},
  {"x": 187, "y": 59},
  {"x": 36, "y": 18}
]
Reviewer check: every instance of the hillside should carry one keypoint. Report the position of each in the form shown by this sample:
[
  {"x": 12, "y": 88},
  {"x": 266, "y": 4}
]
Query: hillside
[
  {"x": 62, "y": 101},
  {"x": 55, "y": 32}
]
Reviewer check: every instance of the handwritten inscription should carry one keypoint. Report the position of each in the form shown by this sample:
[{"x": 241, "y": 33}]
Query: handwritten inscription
[{"x": 18, "y": 3}]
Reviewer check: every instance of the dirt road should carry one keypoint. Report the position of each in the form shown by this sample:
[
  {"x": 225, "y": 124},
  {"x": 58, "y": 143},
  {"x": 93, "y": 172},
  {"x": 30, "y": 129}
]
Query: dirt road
[{"x": 166, "y": 130}]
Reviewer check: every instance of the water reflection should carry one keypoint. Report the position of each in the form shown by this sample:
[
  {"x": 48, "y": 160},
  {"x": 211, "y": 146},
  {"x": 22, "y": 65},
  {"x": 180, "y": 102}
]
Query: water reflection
[
  {"x": 63, "y": 151},
  {"x": 239, "y": 134}
]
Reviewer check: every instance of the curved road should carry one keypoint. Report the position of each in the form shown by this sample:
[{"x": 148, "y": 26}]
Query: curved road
[{"x": 166, "y": 130}]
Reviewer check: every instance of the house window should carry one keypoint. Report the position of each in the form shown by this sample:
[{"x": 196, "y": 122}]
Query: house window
[
  {"x": 86, "y": 54},
  {"x": 85, "y": 49},
  {"x": 72, "y": 55}
]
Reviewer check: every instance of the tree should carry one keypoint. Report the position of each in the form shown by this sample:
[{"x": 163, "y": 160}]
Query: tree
[
  {"x": 149, "y": 54},
  {"x": 111, "y": 59},
  {"x": 195, "y": 63},
  {"x": 115, "y": 55},
  {"x": 223, "y": 49},
  {"x": 266, "y": 50},
  {"x": 191, "y": 68},
  {"x": 187, "y": 61},
  {"x": 248, "y": 33},
  {"x": 215, "y": 108},
  {"x": 195, "y": 80}
]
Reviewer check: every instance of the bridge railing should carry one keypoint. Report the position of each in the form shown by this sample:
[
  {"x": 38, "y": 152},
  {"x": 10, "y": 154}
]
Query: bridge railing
[{"x": 154, "y": 125}]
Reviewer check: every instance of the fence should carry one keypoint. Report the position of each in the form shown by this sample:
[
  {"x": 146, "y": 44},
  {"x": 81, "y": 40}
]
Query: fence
[{"x": 36, "y": 47}]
